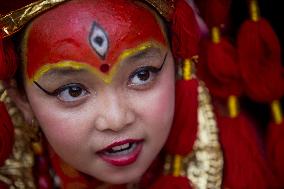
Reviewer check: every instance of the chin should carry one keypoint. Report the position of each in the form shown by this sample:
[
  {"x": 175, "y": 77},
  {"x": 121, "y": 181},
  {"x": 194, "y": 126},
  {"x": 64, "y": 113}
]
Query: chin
[{"x": 121, "y": 178}]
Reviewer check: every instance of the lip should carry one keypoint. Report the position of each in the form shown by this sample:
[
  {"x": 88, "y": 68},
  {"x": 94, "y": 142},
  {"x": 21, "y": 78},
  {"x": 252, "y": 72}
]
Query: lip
[{"x": 125, "y": 159}]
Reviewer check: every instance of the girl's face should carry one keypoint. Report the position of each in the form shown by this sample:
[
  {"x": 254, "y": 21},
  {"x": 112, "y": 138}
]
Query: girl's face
[{"x": 99, "y": 77}]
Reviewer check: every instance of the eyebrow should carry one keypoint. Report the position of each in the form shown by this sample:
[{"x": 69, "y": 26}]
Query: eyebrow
[
  {"x": 64, "y": 71},
  {"x": 148, "y": 52}
]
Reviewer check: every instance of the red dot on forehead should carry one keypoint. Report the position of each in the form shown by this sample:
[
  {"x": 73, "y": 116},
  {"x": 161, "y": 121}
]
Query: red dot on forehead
[{"x": 104, "y": 68}]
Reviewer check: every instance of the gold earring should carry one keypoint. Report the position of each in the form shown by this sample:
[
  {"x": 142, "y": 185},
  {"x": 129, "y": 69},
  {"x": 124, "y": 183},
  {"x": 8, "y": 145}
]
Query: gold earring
[{"x": 36, "y": 138}]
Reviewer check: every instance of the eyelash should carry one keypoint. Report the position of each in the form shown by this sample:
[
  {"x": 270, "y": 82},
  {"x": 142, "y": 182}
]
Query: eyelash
[
  {"x": 151, "y": 73},
  {"x": 58, "y": 92}
]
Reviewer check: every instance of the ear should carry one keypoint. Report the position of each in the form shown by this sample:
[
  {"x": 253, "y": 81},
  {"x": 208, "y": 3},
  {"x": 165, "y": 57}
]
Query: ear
[{"x": 20, "y": 99}]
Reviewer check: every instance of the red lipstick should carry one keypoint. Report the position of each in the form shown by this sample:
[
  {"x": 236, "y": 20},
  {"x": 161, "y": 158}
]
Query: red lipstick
[{"x": 122, "y": 153}]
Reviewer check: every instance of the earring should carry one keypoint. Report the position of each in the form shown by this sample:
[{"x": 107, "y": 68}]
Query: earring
[{"x": 36, "y": 138}]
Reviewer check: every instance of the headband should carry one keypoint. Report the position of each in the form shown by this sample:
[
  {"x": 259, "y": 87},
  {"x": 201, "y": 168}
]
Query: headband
[{"x": 15, "y": 20}]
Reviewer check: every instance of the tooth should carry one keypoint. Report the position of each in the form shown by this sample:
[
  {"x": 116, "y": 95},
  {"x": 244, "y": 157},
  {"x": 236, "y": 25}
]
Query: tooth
[
  {"x": 117, "y": 148},
  {"x": 124, "y": 146}
]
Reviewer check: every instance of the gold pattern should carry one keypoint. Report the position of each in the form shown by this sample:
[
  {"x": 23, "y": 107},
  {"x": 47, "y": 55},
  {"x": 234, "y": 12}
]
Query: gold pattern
[
  {"x": 17, "y": 170},
  {"x": 205, "y": 163}
]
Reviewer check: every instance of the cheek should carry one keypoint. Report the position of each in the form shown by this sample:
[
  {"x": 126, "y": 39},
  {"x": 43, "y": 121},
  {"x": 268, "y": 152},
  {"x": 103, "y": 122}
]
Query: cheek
[
  {"x": 64, "y": 130},
  {"x": 157, "y": 108}
]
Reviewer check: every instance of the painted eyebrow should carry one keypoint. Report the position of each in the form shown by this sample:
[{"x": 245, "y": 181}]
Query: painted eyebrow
[
  {"x": 148, "y": 52},
  {"x": 69, "y": 71}
]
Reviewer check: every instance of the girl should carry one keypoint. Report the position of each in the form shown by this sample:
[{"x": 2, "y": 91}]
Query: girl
[{"x": 98, "y": 77}]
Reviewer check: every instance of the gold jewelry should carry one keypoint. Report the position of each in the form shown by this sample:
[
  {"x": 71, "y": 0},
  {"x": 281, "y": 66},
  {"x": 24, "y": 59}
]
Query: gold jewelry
[
  {"x": 17, "y": 170},
  {"x": 36, "y": 142}
]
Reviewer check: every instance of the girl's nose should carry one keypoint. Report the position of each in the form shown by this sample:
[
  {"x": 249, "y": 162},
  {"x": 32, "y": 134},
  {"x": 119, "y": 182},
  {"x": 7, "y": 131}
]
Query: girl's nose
[{"x": 116, "y": 113}]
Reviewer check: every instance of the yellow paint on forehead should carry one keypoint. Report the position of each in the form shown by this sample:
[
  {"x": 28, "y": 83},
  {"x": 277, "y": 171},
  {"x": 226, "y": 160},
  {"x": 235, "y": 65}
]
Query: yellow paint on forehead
[{"x": 107, "y": 78}]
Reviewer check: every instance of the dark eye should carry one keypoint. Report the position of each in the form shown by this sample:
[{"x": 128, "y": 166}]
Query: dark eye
[
  {"x": 71, "y": 92},
  {"x": 143, "y": 76}
]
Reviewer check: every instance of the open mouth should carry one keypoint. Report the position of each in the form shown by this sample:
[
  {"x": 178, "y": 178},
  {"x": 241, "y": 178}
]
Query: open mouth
[
  {"x": 121, "y": 150},
  {"x": 122, "y": 153}
]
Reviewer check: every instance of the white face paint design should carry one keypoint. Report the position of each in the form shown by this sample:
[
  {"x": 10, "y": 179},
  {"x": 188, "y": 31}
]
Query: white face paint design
[{"x": 99, "y": 40}]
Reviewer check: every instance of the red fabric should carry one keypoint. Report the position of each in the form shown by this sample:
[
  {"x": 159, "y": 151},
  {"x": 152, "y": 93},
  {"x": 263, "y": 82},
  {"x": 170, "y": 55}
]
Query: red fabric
[
  {"x": 3, "y": 186},
  {"x": 214, "y": 12},
  {"x": 7, "y": 59},
  {"x": 2, "y": 59},
  {"x": 171, "y": 182},
  {"x": 6, "y": 134},
  {"x": 275, "y": 149},
  {"x": 260, "y": 61},
  {"x": 68, "y": 175},
  {"x": 185, "y": 31},
  {"x": 184, "y": 129},
  {"x": 244, "y": 162},
  {"x": 219, "y": 68}
]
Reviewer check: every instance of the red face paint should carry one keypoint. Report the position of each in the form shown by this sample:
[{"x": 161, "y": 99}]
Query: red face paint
[{"x": 93, "y": 32}]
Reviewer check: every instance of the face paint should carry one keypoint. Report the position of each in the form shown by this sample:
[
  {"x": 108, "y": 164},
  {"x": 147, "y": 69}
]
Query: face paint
[{"x": 95, "y": 35}]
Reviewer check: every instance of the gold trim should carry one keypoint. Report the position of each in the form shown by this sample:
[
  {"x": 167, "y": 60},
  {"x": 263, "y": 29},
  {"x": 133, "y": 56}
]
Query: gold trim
[{"x": 15, "y": 20}]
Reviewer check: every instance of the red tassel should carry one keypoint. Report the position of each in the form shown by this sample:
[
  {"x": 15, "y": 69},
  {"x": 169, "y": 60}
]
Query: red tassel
[
  {"x": 245, "y": 165},
  {"x": 215, "y": 12},
  {"x": 184, "y": 129},
  {"x": 2, "y": 59},
  {"x": 275, "y": 143},
  {"x": 3, "y": 185},
  {"x": 8, "y": 60},
  {"x": 6, "y": 134},
  {"x": 219, "y": 69},
  {"x": 185, "y": 31},
  {"x": 260, "y": 61},
  {"x": 170, "y": 182}
]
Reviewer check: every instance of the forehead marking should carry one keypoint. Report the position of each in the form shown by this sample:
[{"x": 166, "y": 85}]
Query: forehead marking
[
  {"x": 107, "y": 78},
  {"x": 98, "y": 40}
]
